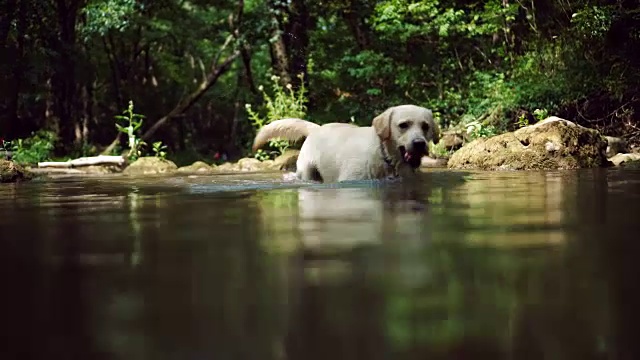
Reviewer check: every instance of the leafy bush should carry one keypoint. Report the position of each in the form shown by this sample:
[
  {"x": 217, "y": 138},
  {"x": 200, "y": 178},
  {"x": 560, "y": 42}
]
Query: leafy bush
[
  {"x": 285, "y": 102},
  {"x": 34, "y": 149},
  {"x": 159, "y": 149}
]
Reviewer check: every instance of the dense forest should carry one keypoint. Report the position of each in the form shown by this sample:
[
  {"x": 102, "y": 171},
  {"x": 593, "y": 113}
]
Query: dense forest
[{"x": 69, "y": 67}]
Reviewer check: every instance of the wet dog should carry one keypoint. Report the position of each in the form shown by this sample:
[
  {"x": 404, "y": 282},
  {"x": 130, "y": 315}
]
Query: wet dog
[{"x": 393, "y": 146}]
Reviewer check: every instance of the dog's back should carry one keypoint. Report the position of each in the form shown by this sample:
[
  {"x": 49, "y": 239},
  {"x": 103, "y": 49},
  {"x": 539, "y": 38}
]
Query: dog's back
[{"x": 338, "y": 152}]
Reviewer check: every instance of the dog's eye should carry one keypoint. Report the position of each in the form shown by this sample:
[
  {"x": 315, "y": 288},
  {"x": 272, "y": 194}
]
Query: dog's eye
[
  {"x": 425, "y": 127},
  {"x": 403, "y": 125}
]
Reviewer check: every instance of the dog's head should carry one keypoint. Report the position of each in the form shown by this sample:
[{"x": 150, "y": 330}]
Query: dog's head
[{"x": 406, "y": 131}]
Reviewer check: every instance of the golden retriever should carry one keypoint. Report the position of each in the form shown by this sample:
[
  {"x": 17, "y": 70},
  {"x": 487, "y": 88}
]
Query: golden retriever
[{"x": 393, "y": 146}]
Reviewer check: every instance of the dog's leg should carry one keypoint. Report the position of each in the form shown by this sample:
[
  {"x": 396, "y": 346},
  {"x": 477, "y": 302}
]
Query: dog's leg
[{"x": 308, "y": 172}]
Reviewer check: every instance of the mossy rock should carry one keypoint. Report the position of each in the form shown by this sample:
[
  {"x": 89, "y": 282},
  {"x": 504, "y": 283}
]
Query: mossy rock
[
  {"x": 253, "y": 164},
  {"x": 246, "y": 165},
  {"x": 149, "y": 165},
  {"x": 197, "y": 167},
  {"x": 552, "y": 144},
  {"x": 452, "y": 140},
  {"x": 250, "y": 164},
  {"x": 227, "y": 167},
  {"x": 12, "y": 172}
]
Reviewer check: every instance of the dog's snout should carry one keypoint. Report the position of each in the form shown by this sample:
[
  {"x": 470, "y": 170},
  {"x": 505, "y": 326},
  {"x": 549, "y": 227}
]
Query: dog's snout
[{"x": 419, "y": 144}]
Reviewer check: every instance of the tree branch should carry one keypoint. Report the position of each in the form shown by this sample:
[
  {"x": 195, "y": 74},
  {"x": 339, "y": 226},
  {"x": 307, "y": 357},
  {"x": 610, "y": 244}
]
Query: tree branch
[
  {"x": 216, "y": 70},
  {"x": 186, "y": 103}
]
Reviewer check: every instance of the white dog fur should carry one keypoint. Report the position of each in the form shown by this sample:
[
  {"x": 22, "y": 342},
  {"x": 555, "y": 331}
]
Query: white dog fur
[{"x": 393, "y": 146}]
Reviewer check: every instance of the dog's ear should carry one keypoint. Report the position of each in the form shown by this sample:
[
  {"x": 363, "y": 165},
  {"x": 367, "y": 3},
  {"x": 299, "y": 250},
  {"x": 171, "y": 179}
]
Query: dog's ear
[
  {"x": 436, "y": 133},
  {"x": 382, "y": 124},
  {"x": 435, "y": 129}
]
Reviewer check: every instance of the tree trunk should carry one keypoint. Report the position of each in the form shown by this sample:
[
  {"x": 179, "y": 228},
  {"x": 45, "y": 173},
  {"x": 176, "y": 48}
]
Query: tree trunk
[
  {"x": 298, "y": 41},
  {"x": 64, "y": 77},
  {"x": 279, "y": 59},
  {"x": 278, "y": 48},
  {"x": 5, "y": 21},
  {"x": 354, "y": 17},
  {"x": 246, "y": 61},
  {"x": 82, "y": 127},
  {"x": 11, "y": 84},
  {"x": 115, "y": 72},
  {"x": 289, "y": 50}
]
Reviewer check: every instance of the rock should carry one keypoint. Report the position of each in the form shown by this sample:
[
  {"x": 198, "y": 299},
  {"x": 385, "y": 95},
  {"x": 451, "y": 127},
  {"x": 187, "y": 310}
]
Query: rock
[
  {"x": 624, "y": 159},
  {"x": 100, "y": 169},
  {"x": 253, "y": 164},
  {"x": 12, "y": 172},
  {"x": 269, "y": 165},
  {"x": 197, "y": 167},
  {"x": 616, "y": 145},
  {"x": 452, "y": 140},
  {"x": 150, "y": 165},
  {"x": 287, "y": 161},
  {"x": 429, "y": 162},
  {"x": 553, "y": 143},
  {"x": 227, "y": 167},
  {"x": 246, "y": 165}
]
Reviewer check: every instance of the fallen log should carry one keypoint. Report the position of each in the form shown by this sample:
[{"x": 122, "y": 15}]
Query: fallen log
[
  {"x": 56, "y": 171},
  {"x": 85, "y": 161}
]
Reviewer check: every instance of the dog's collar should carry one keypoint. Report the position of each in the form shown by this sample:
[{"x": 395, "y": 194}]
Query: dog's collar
[{"x": 391, "y": 168}]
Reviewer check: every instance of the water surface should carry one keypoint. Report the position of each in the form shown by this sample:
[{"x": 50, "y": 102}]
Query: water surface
[{"x": 499, "y": 265}]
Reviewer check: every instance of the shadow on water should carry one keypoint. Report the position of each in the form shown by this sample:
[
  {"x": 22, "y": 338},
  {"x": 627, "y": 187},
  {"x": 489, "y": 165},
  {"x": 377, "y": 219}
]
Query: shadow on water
[{"x": 525, "y": 265}]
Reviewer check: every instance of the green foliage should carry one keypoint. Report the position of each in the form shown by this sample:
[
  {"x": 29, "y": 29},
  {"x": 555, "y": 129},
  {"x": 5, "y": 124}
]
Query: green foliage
[
  {"x": 103, "y": 16},
  {"x": 486, "y": 66},
  {"x": 522, "y": 120},
  {"x": 477, "y": 129},
  {"x": 477, "y": 64},
  {"x": 36, "y": 148},
  {"x": 540, "y": 114},
  {"x": 438, "y": 150},
  {"x": 159, "y": 149},
  {"x": 593, "y": 21},
  {"x": 285, "y": 102},
  {"x": 131, "y": 123},
  {"x": 490, "y": 95},
  {"x": 403, "y": 19}
]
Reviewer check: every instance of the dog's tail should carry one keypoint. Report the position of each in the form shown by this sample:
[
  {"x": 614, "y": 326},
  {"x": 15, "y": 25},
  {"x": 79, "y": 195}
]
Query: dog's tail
[{"x": 291, "y": 129}]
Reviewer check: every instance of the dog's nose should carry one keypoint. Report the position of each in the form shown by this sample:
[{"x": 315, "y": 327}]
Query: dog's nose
[{"x": 419, "y": 144}]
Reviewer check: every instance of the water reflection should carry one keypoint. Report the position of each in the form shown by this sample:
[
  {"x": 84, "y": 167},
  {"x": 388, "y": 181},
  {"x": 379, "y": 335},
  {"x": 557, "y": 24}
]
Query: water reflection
[{"x": 464, "y": 265}]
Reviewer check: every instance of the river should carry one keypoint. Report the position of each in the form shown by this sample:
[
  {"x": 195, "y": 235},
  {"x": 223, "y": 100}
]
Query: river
[{"x": 460, "y": 265}]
